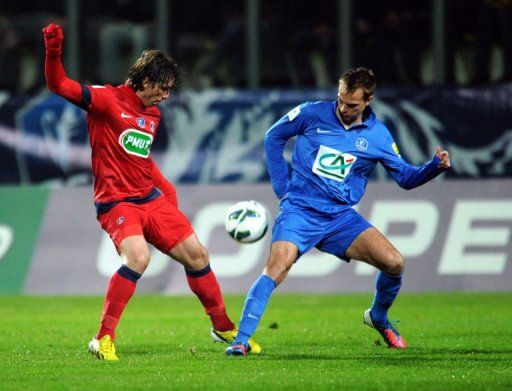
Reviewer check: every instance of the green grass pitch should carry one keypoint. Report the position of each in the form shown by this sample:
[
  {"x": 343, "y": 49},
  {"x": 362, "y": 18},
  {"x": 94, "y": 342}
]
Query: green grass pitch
[{"x": 459, "y": 341}]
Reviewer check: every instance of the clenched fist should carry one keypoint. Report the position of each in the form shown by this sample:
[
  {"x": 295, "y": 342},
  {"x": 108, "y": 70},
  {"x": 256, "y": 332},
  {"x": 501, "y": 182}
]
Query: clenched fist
[
  {"x": 53, "y": 37},
  {"x": 444, "y": 158}
]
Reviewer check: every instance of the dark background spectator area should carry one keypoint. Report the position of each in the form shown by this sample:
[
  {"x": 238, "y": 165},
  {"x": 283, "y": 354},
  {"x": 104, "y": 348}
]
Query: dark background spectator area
[{"x": 298, "y": 43}]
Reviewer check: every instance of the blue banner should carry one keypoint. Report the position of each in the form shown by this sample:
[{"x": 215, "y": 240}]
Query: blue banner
[{"x": 216, "y": 136}]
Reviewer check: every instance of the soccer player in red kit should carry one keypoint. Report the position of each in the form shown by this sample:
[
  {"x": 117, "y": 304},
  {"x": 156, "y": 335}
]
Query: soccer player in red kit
[{"x": 135, "y": 204}]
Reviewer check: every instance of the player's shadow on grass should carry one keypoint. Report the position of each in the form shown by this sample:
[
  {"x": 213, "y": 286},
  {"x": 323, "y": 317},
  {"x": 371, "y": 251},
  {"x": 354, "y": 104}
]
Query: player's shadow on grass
[
  {"x": 467, "y": 351},
  {"x": 392, "y": 356}
]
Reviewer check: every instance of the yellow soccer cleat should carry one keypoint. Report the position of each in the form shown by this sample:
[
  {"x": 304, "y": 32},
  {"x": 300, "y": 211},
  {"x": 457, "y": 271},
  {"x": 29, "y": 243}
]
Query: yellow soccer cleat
[
  {"x": 230, "y": 335},
  {"x": 103, "y": 348}
]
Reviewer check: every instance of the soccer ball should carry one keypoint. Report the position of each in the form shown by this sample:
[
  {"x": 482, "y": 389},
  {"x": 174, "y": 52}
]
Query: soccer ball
[{"x": 246, "y": 221}]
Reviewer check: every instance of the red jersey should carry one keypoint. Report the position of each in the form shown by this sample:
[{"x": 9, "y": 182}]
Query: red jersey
[{"x": 121, "y": 130}]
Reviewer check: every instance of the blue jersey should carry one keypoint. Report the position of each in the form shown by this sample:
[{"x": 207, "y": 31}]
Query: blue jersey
[{"x": 331, "y": 164}]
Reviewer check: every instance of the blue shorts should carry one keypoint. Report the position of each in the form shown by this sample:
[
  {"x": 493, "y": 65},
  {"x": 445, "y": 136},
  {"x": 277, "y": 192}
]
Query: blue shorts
[{"x": 331, "y": 233}]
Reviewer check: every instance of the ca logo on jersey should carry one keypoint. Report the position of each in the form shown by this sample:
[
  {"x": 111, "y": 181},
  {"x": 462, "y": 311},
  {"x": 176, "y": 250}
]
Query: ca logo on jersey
[
  {"x": 333, "y": 164},
  {"x": 136, "y": 142}
]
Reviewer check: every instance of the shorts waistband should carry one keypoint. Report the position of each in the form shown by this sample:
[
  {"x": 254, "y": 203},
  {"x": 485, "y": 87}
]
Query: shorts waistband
[
  {"x": 104, "y": 207},
  {"x": 318, "y": 204}
]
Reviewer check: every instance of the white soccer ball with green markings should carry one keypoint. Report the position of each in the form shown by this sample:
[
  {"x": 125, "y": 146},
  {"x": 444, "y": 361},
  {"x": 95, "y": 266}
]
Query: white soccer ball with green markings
[{"x": 246, "y": 221}]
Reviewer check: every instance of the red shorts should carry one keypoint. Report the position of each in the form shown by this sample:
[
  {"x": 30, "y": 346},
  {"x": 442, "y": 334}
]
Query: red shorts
[{"x": 162, "y": 224}]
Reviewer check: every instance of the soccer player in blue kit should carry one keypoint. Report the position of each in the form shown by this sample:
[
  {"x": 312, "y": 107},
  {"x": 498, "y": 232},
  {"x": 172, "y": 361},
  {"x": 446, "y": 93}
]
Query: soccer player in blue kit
[{"x": 338, "y": 145}]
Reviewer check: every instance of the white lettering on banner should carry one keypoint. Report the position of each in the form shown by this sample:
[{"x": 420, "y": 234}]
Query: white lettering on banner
[
  {"x": 423, "y": 214},
  {"x": 108, "y": 260},
  {"x": 225, "y": 265},
  {"x": 462, "y": 234},
  {"x": 6, "y": 239},
  {"x": 457, "y": 258}
]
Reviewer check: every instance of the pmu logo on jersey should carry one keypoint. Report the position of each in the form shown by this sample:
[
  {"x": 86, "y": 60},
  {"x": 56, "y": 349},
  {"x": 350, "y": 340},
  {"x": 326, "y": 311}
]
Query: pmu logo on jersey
[
  {"x": 136, "y": 142},
  {"x": 333, "y": 164}
]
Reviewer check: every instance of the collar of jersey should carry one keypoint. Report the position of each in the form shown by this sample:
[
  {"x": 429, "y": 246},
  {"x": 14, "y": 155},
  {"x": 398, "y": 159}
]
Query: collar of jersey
[
  {"x": 367, "y": 123},
  {"x": 131, "y": 96}
]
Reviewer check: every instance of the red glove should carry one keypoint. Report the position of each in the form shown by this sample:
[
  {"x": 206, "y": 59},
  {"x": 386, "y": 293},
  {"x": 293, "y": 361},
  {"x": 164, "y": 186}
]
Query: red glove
[{"x": 53, "y": 37}]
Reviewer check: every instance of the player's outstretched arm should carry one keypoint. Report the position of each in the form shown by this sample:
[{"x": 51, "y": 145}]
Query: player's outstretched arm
[
  {"x": 408, "y": 176},
  {"x": 163, "y": 184},
  {"x": 56, "y": 78}
]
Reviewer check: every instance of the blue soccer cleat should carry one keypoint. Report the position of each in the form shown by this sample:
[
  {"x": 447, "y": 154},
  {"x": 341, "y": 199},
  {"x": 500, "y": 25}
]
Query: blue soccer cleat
[
  {"x": 389, "y": 333},
  {"x": 229, "y": 337},
  {"x": 237, "y": 349}
]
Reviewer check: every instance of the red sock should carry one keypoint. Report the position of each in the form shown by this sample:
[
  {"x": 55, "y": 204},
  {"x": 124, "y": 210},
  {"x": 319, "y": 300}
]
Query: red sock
[
  {"x": 204, "y": 284},
  {"x": 120, "y": 289}
]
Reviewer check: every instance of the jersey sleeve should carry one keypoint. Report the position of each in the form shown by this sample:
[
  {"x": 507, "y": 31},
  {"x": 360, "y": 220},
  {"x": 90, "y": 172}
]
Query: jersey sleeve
[
  {"x": 58, "y": 82},
  {"x": 163, "y": 184},
  {"x": 97, "y": 98},
  {"x": 406, "y": 175},
  {"x": 287, "y": 127}
]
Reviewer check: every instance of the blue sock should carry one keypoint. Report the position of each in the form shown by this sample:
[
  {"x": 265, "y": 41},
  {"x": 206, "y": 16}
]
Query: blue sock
[
  {"x": 386, "y": 290},
  {"x": 255, "y": 304}
]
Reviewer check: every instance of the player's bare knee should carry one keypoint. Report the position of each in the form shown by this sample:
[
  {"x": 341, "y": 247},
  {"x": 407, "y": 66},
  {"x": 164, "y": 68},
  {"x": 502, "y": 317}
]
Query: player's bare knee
[
  {"x": 199, "y": 259},
  {"x": 278, "y": 268},
  {"x": 277, "y": 271},
  {"x": 138, "y": 260},
  {"x": 395, "y": 263},
  {"x": 203, "y": 258},
  {"x": 283, "y": 253}
]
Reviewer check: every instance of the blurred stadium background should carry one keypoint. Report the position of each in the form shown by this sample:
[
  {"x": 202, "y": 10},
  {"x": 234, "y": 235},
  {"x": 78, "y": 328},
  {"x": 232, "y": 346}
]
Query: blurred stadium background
[{"x": 444, "y": 72}]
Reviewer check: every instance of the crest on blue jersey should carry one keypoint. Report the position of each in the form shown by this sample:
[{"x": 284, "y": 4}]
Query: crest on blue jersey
[
  {"x": 141, "y": 122},
  {"x": 362, "y": 144}
]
